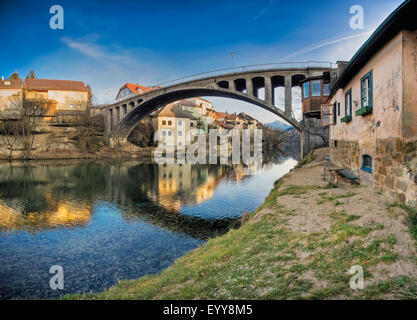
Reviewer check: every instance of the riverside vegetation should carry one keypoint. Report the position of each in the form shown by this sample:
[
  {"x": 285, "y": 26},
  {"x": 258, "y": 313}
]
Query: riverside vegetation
[{"x": 299, "y": 244}]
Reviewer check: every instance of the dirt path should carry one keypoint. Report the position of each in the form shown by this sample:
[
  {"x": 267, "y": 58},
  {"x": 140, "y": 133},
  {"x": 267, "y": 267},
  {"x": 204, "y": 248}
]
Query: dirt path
[{"x": 315, "y": 207}]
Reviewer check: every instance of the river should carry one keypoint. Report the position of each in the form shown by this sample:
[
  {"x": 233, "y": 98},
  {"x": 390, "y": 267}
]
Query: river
[{"x": 104, "y": 221}]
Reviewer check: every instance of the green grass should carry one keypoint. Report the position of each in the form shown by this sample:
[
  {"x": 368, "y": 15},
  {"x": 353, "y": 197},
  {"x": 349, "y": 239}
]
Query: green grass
[
  {"x": 411, "y": 216},
  {"x": 324, "y": 197},
  {"x": 306, "y": 160},
  {"x": 296, "y": 190},
  {"x": 330, "y": 185}
]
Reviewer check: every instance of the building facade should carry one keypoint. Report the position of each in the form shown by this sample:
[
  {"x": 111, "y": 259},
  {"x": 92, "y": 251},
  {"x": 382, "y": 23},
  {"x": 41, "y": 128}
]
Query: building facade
[
  {"x": 9, "y": 90},
  {"x": 173, "y": 124},
  {"x": 66, "y": 95},
  {"x": 57, "y": 95},
  {"x": 374, "y": 102}
]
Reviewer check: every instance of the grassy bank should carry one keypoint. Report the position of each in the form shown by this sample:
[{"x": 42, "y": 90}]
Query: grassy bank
[{"x": 299, "y": 244}]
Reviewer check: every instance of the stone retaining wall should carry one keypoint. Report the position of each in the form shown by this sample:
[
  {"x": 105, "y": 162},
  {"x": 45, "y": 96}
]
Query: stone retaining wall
[{"x": 394, "y": 166}]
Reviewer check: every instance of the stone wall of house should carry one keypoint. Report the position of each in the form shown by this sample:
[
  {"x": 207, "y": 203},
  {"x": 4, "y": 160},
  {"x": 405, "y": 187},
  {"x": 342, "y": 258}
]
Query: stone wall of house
[
  {"x": 345, "y": 154},
  {"x": 394, "y": 167}
]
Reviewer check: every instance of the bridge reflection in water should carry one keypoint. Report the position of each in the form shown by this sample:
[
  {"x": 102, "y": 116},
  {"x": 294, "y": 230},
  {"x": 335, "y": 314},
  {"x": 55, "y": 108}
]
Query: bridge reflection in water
[{"x": 109, "y": 220}]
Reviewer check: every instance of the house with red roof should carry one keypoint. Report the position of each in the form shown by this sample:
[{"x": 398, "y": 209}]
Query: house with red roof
[{"x": 130, "y": 89}]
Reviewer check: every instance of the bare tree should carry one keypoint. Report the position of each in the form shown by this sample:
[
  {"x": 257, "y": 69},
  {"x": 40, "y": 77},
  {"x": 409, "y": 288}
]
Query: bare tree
[
  {"x": 322, "y": 132},
  {"x": 9, "y": 129},
  {"x": 88, "y": 138},
  {"x": 31, "y": 75},
  {"x": 29, "y": 113}
]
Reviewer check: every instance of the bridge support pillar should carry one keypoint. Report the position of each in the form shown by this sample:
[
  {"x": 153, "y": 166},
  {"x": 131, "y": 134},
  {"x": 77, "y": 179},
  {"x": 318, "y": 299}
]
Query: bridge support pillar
[
  {"x": 288, "y": 98},
  {"x": 302, "y": 145},
  {"x": 305, "y": 137},
  {"x": 249, "y": 87},
  {"x": 314, "y": 135},
  {"x": 107, "y": 123},
  {"x": 268, "y": 91}
]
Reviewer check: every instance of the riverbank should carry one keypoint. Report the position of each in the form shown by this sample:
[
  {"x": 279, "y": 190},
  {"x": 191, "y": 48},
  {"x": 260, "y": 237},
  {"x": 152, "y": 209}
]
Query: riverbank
[
  {"x": 129, "y": 152},
  {"x": 300, "y": 243}
]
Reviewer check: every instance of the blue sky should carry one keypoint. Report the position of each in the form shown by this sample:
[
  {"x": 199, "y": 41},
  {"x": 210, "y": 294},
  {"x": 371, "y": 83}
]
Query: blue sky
[{"x": 108, "y": 43}]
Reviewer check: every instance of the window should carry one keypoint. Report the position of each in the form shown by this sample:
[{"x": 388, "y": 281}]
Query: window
[
  {"x": 334, "y": 113},
  {"x": 316, "y": 88},
  {"x": 164, "y": 133},
  {"x": 180, "y": 133},
  {"x": 191, "y": 124},
  {"x": 338, "y": 108},
  {"x": 348, "y": 103},
  {"x": 71, "y": 106},
  {"x": 169, "y": 122},
  {"x": 366, "y": 90},
  {"x": 326, "y": 89},
  {"x": 306, "y": 89},
  {"x": 164, "y": 122},
  {"x": 169, "y": 133},
  {"x": 367, "y": 163},
  {"x": 180, "y": 122}
]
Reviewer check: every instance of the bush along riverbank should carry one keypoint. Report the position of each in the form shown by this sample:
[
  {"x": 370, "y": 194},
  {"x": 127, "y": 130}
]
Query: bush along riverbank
[{"x": 299, "y": 244}]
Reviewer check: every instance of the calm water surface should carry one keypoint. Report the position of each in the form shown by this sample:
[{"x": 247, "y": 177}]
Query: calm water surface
[{"x": 104, "y": 221}]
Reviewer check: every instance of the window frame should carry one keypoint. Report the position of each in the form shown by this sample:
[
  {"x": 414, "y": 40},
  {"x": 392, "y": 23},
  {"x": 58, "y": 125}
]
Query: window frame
[
  {"x": 348, "y": 93},
  {"x": 364, "y": 167},
  {"x": 309, "y": 89},
  {"x": 368, "y": 76},
  {"x": 315, "y": 81}
]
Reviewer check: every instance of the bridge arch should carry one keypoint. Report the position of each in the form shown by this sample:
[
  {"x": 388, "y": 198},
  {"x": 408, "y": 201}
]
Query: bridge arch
[
  {"x": 123, "y": 116},
  {"x": 129, "y": 122}
]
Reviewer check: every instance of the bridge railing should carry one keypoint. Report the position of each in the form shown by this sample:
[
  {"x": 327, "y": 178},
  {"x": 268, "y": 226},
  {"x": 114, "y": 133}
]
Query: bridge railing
[{"x": 253, "y": 67}]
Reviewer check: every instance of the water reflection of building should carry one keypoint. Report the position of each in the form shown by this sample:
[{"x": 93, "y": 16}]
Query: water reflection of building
[
  {"x": 57, "y": 214},
  {"x": 44, "y": 197},
  {"x": 186, "y": 184}
]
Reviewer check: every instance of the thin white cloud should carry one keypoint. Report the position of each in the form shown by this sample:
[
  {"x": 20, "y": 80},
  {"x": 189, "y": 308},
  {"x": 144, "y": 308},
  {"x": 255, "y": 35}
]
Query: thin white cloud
[
  {"x": 325, "y": 43},
  {"x": 93, "y": 50},
  {"x": 265, "y": 9}
]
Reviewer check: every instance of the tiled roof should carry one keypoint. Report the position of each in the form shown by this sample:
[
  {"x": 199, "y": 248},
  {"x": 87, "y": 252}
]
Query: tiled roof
[
  {"x": 245, "y": 116},
  {"x": 52, "y": 84},
  {"x": 14, "y": 84},
  {"x": 173, "y": 110},
  {"x": 224, "y": 125},
  {"x": 136, "y": 88},
  {"x": 221, "y": 114}
]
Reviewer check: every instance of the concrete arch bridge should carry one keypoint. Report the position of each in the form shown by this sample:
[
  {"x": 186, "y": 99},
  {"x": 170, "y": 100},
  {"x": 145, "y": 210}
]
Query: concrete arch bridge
[{"x": 242, "y": 83}]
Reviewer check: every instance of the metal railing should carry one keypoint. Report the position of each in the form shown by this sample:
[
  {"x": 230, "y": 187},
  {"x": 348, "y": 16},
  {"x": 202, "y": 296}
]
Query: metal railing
[{"x": 253, "y": 67}]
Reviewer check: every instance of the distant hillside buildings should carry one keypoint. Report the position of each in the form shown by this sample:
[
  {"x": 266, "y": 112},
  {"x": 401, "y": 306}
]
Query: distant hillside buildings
[
  {"x": 176, "y": 119},
  {"x": 60, "y": 96}
]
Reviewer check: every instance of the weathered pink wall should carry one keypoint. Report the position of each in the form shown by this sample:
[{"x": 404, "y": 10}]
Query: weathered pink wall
[{"x": 409, "y": 82}]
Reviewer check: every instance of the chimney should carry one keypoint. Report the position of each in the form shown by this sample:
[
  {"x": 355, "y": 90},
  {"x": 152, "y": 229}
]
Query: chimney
[{"x": 340, "y": 66}]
